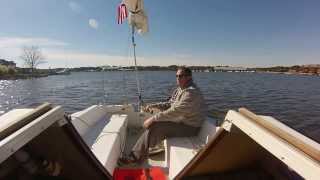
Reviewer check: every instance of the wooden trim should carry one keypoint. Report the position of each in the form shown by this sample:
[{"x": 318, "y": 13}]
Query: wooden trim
[
  {"x": 202, "y": 154},
  {"x": 82, "y": 146},
  {"x": 8, "y": 129},
  {"x": 308, "y": 149}
]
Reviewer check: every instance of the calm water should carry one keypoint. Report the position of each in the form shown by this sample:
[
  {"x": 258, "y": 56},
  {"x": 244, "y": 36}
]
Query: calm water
[{"x": 293, "y": 99}]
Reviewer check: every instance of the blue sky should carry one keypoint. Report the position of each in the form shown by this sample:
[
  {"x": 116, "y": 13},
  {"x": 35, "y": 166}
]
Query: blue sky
[{"x": 73, "y": 33}]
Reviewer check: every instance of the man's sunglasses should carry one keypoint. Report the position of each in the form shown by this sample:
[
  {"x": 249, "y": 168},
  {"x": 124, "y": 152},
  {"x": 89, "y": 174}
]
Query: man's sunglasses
[{"x": 180, "y": 75}]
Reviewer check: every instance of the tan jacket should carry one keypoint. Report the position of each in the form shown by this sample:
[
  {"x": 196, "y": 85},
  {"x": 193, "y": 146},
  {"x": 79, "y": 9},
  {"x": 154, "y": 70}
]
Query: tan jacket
[{"x": 186, "y": 106}]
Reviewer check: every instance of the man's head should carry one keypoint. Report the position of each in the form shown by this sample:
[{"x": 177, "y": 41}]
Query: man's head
[{"x": 183, "y": 76}]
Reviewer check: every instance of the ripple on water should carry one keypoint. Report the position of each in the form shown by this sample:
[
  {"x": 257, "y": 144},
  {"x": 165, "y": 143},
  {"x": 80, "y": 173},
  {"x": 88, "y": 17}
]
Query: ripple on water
[{"x": 292, "y": 99}]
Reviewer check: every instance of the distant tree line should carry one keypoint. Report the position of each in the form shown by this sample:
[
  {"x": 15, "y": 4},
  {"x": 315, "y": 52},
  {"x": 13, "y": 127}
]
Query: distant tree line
[
  {"x": 274, "y": 69},
  {"x": 5, "y": 70},
  {"x": 311, "y": 69}
]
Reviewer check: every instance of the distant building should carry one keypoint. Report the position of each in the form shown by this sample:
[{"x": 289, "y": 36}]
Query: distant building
[
  {"x": 110, "y": 68},
  {"x": 9, "y": 64},
  {"x": 229, "y": 69}
]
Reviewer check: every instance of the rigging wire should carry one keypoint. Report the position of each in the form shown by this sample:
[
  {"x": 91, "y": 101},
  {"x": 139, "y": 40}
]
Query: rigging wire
[
  {"x": 124, "y": 73},
  {"x": 103, "y": 87},
  {"x": 136, "y": 71}
]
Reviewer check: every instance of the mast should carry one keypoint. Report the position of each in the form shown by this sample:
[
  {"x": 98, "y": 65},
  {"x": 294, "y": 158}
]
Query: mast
[{"x": 136, "y": 69}]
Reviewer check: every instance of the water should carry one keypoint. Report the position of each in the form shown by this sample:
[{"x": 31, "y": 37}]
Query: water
[{"x": 292, "y": 99}]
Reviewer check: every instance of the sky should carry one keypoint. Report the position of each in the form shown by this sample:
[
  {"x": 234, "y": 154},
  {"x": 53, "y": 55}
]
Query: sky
[{"x": 249, "y": 33}]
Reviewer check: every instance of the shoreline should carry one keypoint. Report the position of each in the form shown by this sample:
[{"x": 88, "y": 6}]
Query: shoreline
[
  {"x": 22, "y": 76},
  {"x": 29, "y": 76},
  {"x": 290, "y": 73}
]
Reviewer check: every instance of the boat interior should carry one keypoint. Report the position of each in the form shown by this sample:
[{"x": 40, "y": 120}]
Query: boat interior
[
  {"x": 87, "y": 145},
  {"x": 55, "y": 144},
  {"x": 234, "y": 155}
]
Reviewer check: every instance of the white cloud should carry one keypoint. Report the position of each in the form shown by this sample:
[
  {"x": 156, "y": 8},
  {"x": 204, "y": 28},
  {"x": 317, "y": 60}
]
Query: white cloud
[
  {"x": 93, "y": 23},
  {"x": 77, "y": 59},
  {"x": 11, "y": 42},
  {"x": 60, "y": 54},
  {"x": 75, "y": 7},
  {"x": 10, "y": 48}
]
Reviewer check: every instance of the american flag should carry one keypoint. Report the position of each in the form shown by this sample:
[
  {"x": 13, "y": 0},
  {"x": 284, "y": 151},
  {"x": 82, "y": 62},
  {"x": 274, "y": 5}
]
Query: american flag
[{"x": 122, "y": 13}]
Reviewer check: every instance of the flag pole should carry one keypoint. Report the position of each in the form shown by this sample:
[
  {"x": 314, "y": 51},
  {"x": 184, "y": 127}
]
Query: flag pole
[{"x": 136, "y": 70}]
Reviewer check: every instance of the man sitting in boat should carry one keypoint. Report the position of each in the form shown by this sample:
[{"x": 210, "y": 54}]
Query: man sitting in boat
[{"x": 182, "y": 116}]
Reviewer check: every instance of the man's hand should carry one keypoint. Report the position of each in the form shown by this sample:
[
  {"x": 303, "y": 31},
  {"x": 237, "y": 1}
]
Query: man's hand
[
  {"x": 147, "y": 108},
  {"x": 147, "y": 123}
]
